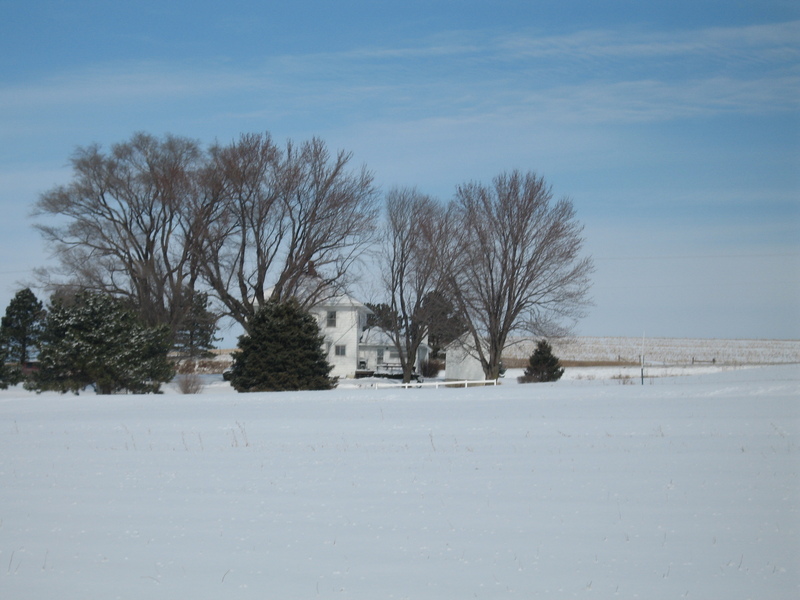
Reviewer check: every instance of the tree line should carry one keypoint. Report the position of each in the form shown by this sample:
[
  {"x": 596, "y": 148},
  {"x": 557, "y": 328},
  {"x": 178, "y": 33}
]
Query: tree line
[{"x": 181, "y": 235}]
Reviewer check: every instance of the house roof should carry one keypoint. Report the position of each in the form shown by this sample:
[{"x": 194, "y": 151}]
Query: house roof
[
  {"x": 374, "y": 336},
  {"x": 463, "y": 341},
  {"x": 341, "y": 301}
]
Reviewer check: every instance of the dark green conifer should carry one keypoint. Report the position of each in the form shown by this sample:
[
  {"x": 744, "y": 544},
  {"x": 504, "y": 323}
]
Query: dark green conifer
[
  {"x": 195, "y": 336},
  {"x": 283, "y": 352},
  {"x": 20, "y": 330},
  {"x": 94, "y": 340},
  {"x": 7, "y": 376},
  {"x": 21, "y": 326},
  {"x": 543, "y": 365}
]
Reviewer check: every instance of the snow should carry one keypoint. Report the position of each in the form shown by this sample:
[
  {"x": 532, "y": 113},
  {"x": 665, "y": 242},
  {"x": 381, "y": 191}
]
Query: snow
[
  {"x": 666, "y": 351},
  {"x": 683, "y": 487}
]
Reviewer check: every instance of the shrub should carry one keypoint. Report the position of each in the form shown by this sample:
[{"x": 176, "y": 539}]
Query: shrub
[
  {"x": 189, "y": 383},
  {"x": 430, "y": 368},
  {"x": 188, "y": 378},
  {"x": 543, "y": 365}
]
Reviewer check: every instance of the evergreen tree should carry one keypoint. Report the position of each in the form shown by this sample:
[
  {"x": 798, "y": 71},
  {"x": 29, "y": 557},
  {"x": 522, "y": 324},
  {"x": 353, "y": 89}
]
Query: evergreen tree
[
  {"x": 7, "y": 376},
  {"x": 283, "y": 351},
  {"x": 543, "y": 365},
  {"x": 444, "y": 323},
  {"x": 382, "y": 317},
  {"x": 94, "y": 340},
  {"x": 435, "y": 314},
  {"x": 21, "y": 326},
  {"x": 195, "y": 335}
]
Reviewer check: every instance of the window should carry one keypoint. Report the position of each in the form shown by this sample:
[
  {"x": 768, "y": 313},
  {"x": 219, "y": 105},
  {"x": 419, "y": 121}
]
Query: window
[
  {"x": 331, "y": 318},
  {"x": 341, "y": 350}
]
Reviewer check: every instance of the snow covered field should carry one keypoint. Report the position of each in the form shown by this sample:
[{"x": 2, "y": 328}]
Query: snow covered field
[
  {"x": 686, "y": 487},
  {"x": 668, "y": 351}
]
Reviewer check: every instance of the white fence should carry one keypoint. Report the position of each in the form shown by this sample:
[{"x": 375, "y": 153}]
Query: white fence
[{"x": 437, "y": 384}]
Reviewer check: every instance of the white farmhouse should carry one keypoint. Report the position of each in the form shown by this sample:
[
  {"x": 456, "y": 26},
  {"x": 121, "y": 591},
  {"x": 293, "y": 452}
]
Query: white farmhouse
[
  {"x": 341, "y": 320},
  {"x": 352, "y": 348}
]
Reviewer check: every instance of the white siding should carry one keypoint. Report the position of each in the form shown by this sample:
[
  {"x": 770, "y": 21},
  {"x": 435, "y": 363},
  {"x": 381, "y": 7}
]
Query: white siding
[
  {"x": 376, "y": 343},
  {"x": 461, "y": 365},
  {"x": 346, "y": 333}
]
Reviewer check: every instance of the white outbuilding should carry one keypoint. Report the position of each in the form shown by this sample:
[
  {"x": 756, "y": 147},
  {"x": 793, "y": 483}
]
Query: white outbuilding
[{"x": 462, "y": 362}]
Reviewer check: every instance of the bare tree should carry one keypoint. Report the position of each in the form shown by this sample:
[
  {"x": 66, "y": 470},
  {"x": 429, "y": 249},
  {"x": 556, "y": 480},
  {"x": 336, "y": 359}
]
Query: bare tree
[
  {"x": 282, "y": 223},
  {"x": 409, "y": 270},
  {"x": 123, "y": 225},
  {"x": 243, "y": 222},
  {"x": 512, "y": 258}
]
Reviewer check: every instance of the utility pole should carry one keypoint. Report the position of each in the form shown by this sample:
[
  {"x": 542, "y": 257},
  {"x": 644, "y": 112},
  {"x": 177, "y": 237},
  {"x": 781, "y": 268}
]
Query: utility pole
[{"x": 642, "y": 358}]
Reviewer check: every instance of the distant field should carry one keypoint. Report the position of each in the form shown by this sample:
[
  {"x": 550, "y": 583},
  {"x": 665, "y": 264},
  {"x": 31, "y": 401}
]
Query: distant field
[
  {"x": 625, "y": 351},
  {"x": 612, "y": 351}
]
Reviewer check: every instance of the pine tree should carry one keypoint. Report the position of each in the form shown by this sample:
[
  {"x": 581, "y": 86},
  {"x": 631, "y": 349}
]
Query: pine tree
[
  {"x": 195, "y": 336},
  {"x": 21, "y": 326},
  {"x": 94, "y": 340},
  {"x": 444, "y": 323},
  {"x": 543, "y": 365},
  {"x": 283, "y": 351},
  {"x": 7, "y": 376},
  {"x": 382, "y": 317}
]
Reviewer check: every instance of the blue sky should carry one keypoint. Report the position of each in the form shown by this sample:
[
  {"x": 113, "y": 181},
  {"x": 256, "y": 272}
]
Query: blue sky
[{"x": 673, "y": 126}]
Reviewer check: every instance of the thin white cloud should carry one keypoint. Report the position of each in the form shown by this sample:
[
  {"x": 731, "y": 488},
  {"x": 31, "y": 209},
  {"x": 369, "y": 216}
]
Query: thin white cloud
[
  {"x": 588, "y": 76},
  {"x": 753, "y": 43},
  {"x": 123, "y": 82},
  {"x": 651, "y": 100}
]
